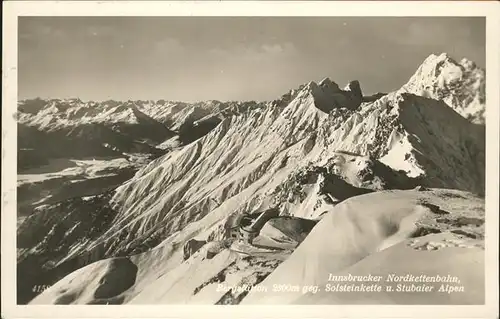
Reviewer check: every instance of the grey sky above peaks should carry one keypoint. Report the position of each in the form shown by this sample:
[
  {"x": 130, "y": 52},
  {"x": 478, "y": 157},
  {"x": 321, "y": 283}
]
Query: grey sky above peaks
[{"x": 229, "y": 58}]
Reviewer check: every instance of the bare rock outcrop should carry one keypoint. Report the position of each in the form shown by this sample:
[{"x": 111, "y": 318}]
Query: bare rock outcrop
[
  {"x": 192, "y": 246},
  {"x": 328, "y": 95}
]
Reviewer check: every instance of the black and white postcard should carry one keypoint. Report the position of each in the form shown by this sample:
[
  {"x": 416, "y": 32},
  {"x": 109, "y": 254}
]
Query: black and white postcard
[{"x": 169, "y": 159}]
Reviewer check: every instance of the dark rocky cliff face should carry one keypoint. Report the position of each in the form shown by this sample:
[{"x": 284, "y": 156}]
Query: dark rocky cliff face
[{"x": 328, "y": 96}]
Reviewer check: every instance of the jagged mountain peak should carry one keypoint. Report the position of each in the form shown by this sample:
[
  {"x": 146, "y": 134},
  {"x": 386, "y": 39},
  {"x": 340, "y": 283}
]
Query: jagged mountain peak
[
  {"x": 468, "y": 64},
  {"x": 353, "y": 86},
  {"x": 435, "y": 65},
  {"x": 445, "y": 58},
  {"x": 439, "y": 57},
  {"x": 461, "y": 85},
  {"x": 328, "y": 95},
  {"x": 328, "y": 83}
]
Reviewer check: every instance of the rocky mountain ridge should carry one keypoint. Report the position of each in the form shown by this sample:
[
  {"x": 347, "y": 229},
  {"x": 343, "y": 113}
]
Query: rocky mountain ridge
[{"x": 461, "y": 85}]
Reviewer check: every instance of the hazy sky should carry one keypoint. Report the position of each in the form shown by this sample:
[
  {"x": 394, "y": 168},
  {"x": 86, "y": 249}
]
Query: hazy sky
[{"x": 229, "y": 58}]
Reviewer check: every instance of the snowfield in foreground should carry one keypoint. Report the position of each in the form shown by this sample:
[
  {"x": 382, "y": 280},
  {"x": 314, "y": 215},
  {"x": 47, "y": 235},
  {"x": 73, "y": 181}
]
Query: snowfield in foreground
[
  {"x": 428, "y": 232},
  {"x": 385, "y": 233}
]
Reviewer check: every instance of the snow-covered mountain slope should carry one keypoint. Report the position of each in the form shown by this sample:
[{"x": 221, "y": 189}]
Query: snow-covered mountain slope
[
  {"x": 53, "y": 230},
  {"x": 302, "y": 155},
  {"x": 53, "y": 114},
  {"x": 267, "y": 145},
  {"x": 434, "y": 231},
  {"x": 398, "y": 130},
  {"x": 177, "y": 114},
  {"x": 118, "y": 125},
  {"x": 384, "y": 233},
  {"x": 460, "y": 84}
]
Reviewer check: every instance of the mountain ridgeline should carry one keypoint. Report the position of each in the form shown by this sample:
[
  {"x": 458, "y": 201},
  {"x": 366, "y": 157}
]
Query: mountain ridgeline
[{"x": 237, "y": 191}]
